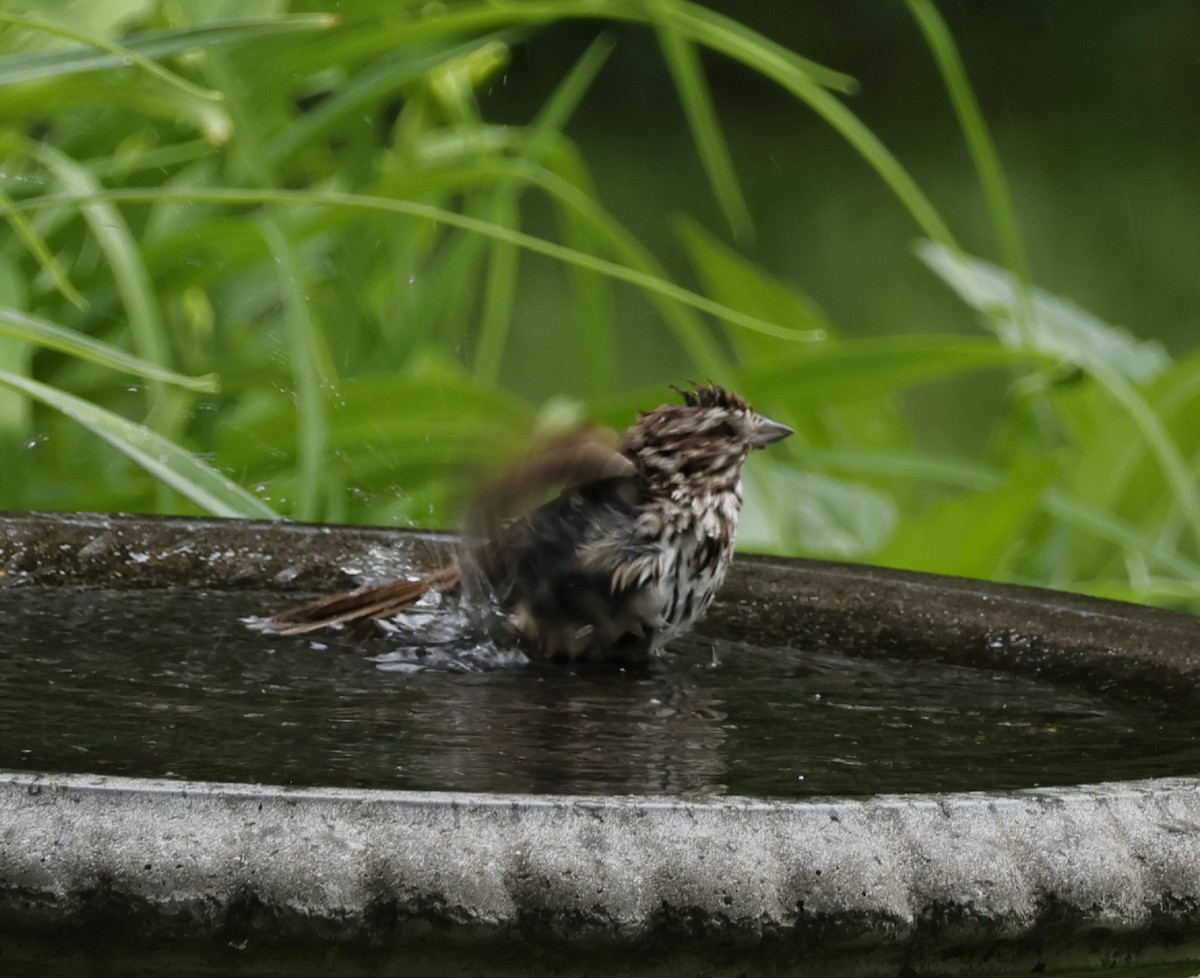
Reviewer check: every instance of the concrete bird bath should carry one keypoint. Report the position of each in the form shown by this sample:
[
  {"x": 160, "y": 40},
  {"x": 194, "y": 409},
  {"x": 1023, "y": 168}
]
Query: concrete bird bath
[{"x": 113, "y": 873}]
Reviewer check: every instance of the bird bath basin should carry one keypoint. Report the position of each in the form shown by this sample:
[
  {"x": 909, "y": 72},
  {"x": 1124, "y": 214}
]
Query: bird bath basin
[{"x": 847, "y": 770}]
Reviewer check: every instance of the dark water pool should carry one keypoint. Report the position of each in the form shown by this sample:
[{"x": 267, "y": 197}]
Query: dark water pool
[{"x": 170, "y": 683}]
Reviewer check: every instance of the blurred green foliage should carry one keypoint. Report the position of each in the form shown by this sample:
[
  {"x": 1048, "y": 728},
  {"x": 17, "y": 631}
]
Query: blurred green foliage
[{"x": 276, "y": 258}]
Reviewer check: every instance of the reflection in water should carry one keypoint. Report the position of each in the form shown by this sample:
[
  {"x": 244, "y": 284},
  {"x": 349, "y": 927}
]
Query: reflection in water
[
  {"x": 171, "y": 684},
  {"x": 577, "y": 733}
]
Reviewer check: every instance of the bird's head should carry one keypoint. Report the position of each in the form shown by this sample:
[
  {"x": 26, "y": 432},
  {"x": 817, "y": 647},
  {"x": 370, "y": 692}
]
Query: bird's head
[{"x": 700, "y": 444}]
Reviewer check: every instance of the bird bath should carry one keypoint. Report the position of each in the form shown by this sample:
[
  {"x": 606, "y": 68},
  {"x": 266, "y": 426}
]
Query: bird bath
[{"x": 847, "y": 770}]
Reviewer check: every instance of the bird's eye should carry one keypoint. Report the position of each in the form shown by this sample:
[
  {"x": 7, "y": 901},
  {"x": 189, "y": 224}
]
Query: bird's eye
[{"x": 726, "y": 430}]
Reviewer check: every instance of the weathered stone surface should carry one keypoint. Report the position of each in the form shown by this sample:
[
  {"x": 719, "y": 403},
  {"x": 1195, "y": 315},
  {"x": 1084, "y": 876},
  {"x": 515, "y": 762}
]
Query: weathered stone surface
[
  {"x": 134, "y": 876},
  {"x": 1080, "y": 875}
]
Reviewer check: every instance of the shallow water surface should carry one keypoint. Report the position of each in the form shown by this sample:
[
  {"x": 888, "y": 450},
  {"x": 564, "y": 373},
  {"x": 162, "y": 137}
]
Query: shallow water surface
[{"x": 170, "y": 683}]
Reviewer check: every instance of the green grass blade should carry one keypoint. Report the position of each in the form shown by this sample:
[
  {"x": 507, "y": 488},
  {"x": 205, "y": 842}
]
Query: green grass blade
[
  {"x": 646, "y": 281},
  {"x": 305, "y": 356},
  {"x": 555, "y": 154},
  {"x": 1178, "y": 474},
  {"x": 992, "y": 520},
  {"x": 730, "y": 278},
  {"x": 380, "y": 81},
  {"x": 705, "y": 26},
  {"x": 42, "y": 332},
  {"x": 557, "y": 112},
  {"x": 122, "y": 166},
  {"x": 124, "y": 56},
  {"x": 686, "y": 70},
  {"x": 1157, "y": 590},
  {"x": 16, "y": 413},
  {"x": 979, "y": 142},
  {"x": 167, "y": 461},
  {"x": 501, "y": 284},
  {"x": 795, "y": 75},
  {"x": 968, "y": 474},
  {"x": 706, "y": 354},
  {"x": 947, "y": 470},
  {"x": 155, "y": 44},
  {"x": 121, "y": 250},
  {"x": 880, "y": 158},
  {"x": 499, "y": 293},
  {"x": 37, "y": 247},
  {"x": 1105, "y": 526},
  {"x": 804, "y": 79},
  {"x": 736, "y": 40},
  {"x": 1056, "y": 327},
  {"x": 594, "y": 310},
  {"x": 874, "y": 367},
  {"x": 134, "y": 286},
  {"x": 811, "y": 84}
]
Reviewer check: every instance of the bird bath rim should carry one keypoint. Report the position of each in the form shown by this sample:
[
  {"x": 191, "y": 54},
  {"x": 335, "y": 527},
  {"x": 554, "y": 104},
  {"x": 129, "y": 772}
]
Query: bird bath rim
[{"x": 980, "y": 883}]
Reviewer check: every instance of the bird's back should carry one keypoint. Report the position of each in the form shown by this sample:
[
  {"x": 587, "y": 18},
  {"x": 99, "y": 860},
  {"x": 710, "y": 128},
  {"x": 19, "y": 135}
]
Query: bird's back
[{"x": 553, "y": 573}]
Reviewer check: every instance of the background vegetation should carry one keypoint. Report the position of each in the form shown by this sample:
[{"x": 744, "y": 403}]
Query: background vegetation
[{"x": 321, "y": 260}]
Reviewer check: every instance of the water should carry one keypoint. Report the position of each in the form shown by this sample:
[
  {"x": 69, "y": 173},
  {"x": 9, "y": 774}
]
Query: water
[{"x": 170, "y": 683}]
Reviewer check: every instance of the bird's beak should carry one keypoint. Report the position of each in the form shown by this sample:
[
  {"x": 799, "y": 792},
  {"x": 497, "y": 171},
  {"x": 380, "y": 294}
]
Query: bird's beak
[{"x": 767, "y": 432}]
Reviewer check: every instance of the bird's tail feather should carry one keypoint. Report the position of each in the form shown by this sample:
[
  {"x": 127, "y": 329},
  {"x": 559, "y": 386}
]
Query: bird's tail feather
[{"x": 366, "y": 603}]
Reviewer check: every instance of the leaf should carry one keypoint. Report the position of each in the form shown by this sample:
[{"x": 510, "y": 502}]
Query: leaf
[
  {"x": 974, "y": 534},
  {"x": 1167, "y": 592},
  {"x": 308, "y": 359},
  {"x": 381, "y": 80},
  {"x": 1116, "y": 467},
  {"x": 121, "y": 250},
  {"x": 387, "y": 424},
  {"x": 36, "y": 246},
  {"x": 788, "y": 509},
  {"x": 33, "y": 329},
  {"x": 1115, "y": 360},
  {"x": 739, "y": 42},
  {"x": 979, "y": 140},
  {"x": 641, "y": 273},
  {"x": 16, "y": 413},
  {"x": 1109, "y": 529},
  {"x": 739, "y": 284},
  {"x": 810, "y": 83},
  {"x": 164, "y": 459},
  {"x": 688, "y": 74},
  {"x": 154, "y": 44},
  {"x": 876, "y": 366},
  {"x": 123, "y": 55},
  {"x": 1102, "y": 528},
  {"x": 1058, "y": 328}
]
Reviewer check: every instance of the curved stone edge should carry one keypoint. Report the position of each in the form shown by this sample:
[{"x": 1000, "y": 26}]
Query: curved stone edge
[
  {"x": 1081, "y": 877},
  {"x": 123, "y": 550},
  {"x": 857, "y": 609},
  {"x": 953, "y": 883}
]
